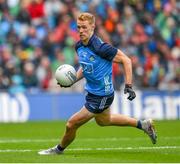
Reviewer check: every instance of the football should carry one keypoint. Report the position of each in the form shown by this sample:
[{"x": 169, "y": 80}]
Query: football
[{"x": 65, "y": 75}]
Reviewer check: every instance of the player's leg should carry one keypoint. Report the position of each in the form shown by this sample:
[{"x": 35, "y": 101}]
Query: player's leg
[
  {"x": 72, "y": 125},
  {"x": 107, "y": 119}
]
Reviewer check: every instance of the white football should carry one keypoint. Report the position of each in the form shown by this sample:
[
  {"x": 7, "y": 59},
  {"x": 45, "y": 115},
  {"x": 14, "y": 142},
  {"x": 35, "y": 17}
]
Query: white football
[{"x": 65, "y": 75}]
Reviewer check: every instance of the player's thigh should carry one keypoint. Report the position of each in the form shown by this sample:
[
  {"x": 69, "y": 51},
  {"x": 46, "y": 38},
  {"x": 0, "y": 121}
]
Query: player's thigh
[
  {"x": 81, "y": 117},
  {"x": 104, "y": 118}
]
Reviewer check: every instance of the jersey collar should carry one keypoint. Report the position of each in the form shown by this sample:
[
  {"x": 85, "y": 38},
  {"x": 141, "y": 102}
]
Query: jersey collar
[{"x": 90, "y": 40}]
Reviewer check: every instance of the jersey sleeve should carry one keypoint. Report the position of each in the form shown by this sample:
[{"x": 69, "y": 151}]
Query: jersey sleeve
[
  {"x": 107, "y": 51},
  {"x": 103, "y": 49}
]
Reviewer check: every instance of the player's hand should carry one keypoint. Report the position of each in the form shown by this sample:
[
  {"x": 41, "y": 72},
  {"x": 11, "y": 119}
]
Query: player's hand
[
  {"x": 62, "y": 86},
  {"x": 128, "y": 89}
]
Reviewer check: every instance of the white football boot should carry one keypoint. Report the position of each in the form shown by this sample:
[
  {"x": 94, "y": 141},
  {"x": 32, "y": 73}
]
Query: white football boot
[
  {"x": 149, "y": 128},
  {"x": 51, "y": 151}
]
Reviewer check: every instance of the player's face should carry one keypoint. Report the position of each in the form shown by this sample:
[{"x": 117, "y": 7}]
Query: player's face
[{"x": 85, "y": 30}]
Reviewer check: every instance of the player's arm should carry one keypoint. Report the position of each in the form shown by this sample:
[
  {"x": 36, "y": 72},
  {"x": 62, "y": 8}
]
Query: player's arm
[
  {"x": 79, "y": 74},
  {"x": 111, "y": 53},
  {"x": 120, "y": 57}
]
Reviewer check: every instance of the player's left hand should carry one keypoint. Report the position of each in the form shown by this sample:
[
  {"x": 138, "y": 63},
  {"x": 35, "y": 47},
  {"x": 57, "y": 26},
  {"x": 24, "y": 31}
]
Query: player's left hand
[{"x": 128, "y": 89}]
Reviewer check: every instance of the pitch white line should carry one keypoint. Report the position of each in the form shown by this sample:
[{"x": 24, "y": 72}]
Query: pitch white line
[
  {"x": 99, "y": 149},
  {"x": 82, "y": 139},
  {"x": 128, "y": 148},
  {"x": 14, "y": 150},
  {"x": 26, "y": 140}
]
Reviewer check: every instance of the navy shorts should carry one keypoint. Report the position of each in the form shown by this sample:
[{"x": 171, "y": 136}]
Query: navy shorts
[{"x": 97, "y": 104}]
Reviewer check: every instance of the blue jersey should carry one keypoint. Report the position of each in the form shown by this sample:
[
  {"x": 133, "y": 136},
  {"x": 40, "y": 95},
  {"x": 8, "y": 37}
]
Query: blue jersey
[{"x": 95, "y": 58}]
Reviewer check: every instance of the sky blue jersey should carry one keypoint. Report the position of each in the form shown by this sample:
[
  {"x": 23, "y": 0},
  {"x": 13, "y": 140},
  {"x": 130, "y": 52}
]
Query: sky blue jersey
[{"x": 95, "y": 58}]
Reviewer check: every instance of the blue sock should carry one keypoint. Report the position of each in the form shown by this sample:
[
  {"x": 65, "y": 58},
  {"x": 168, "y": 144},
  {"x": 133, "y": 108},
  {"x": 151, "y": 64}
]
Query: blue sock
[
  {"x": 60, "y": 148},
  {"x": 139, "y": 125}
]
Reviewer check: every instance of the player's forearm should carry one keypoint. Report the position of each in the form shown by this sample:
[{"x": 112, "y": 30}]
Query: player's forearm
[
  {"x": 127, "y": 70},
  {"x": 125, "y": 60},
  {"x": 79, "y": 75}
]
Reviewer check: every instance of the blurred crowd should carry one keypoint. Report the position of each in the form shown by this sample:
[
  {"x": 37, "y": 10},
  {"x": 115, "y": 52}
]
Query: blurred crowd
[{"x": 36, "y": 36}]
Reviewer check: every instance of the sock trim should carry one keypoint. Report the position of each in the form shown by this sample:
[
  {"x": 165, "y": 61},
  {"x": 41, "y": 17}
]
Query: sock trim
[
  {"x": 60, "y": 148},
  {"x": 139, "y": 124}
]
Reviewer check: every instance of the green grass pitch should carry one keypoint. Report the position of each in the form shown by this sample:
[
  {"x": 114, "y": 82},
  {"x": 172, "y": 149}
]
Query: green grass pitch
[{"x": 20, "y": 142}]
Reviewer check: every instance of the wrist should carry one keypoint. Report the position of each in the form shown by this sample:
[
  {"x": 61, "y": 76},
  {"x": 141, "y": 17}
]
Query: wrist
[{"x": 128, "y": 85}]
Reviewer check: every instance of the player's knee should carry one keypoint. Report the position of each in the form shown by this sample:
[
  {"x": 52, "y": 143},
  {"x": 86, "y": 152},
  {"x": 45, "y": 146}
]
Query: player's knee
[{"x": 71, "y": 125}]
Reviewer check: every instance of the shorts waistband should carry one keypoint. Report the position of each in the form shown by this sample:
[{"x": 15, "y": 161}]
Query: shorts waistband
[{"x": 90, "y": 94}]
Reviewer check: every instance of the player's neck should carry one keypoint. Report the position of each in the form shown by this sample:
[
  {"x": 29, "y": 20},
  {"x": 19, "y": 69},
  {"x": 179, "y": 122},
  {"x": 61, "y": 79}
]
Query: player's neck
[{"x": 85, "y": 42}]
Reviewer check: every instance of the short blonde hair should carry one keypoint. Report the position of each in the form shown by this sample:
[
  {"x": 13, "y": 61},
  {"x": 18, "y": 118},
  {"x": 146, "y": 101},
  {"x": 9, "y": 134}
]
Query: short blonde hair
[{"x": 87, "y": 17}]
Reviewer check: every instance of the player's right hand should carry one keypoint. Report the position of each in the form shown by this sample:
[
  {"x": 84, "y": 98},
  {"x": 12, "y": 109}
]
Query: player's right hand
[{"x": 62, "y": 86}]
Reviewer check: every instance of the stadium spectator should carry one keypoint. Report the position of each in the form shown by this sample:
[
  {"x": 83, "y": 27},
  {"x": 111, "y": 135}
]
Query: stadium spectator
[
  {"x": 30, "y": 80},
  {"x": 44, "y": 73},
  {"x": 16, "y": 85}
]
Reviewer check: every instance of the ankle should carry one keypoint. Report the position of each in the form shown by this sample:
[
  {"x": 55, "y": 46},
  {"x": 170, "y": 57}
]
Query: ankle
[
  {"x": 60, "y": 148},
  {"x": 139, "y": 124}
]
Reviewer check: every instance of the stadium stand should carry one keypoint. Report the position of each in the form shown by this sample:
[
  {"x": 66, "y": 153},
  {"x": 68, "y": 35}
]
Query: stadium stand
[{"x": 37, "y": 36}]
